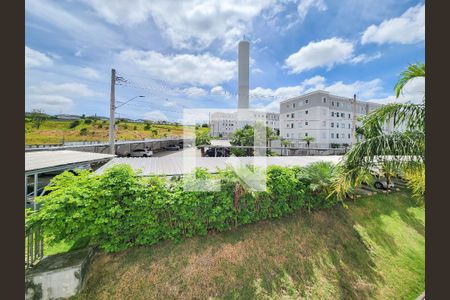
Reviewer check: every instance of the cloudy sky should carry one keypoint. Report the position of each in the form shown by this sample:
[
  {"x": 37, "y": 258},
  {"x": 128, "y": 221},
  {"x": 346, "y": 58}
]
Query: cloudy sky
[{"x": 183, "y": 54}]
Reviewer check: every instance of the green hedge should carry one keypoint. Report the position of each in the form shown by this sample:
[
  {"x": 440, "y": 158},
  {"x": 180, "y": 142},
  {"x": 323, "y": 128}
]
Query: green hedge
[{"x": 118, "y": 209}]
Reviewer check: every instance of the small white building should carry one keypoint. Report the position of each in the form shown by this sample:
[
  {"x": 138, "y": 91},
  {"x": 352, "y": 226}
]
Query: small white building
[{"x": 223, "y": 124}]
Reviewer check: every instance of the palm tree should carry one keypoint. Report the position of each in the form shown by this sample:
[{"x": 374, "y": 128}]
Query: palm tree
[
  {"x": 402, "y": 149},
  {"x": 308, "y": 140},
  {"x": 285, "y": 143}
]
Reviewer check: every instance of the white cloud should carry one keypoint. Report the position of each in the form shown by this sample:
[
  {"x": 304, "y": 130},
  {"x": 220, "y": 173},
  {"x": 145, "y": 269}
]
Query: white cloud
[
  {"x": 217, "y": 90},
  {"x": 34, "y": 58},
  {"x": 273, "y": 97},
  {"x": 202, "y": 69},
  {"x": 89, "y": 73},
  {"x": 156, "y": 115},
  {"x": 256, "y": 70},
  {"x": 49, "y": 103},
  {"x": 66, "y": 89},
  {"x": 194, "y": 91},
  {"x": 325, "y": 53},
  {"x": 184, "y": 22},
  {"x": 315, "y": 81},
  {"x": 362, "y": 89},
  {"x": 364, "y": 58},
  {"x": 409, "y": 28},
  {"x": 304, "y": 6},
  {"x": 76, "y": 28},
  {"x": 413, "y": 92}
]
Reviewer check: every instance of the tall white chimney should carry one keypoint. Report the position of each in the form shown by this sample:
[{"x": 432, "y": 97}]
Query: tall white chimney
[{"x": 243, "y": 74}]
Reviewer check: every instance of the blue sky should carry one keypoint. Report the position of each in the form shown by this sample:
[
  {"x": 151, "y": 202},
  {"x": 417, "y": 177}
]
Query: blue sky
[{"x": 182, "y": 54}]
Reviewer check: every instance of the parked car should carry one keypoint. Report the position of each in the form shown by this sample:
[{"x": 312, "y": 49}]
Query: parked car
[
  {"x": 381, "y": 183},
  {"x": 141, "y": 153},
  {"x": 219, "y": 152},
  {"x": 172, "y": 148},
  {"x": 184, "y": 145}
]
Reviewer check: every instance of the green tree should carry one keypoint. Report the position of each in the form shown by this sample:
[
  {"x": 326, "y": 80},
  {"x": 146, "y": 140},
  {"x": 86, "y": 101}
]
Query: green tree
[
  {"x": 202, "y": 138},
  {"x": 38, "y": 117},
  {"x": 243, "y": 137},
  {"x": 308, "y": 140},
  {"x": 404, "y": 148},
  {"x": 285, "y": 143}
]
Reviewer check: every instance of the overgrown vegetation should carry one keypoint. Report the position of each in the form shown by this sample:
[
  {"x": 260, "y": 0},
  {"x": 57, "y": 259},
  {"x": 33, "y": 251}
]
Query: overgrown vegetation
[
  {"x": 375, "y": 249},
  {"x": 53, "y": 131},
  {"x": 118, "y": 209}
]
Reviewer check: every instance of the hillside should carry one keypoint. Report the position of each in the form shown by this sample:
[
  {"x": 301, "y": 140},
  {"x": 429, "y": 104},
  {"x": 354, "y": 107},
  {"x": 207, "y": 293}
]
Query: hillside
[
  {"x": 57, "y": 131},
  {"x": 375, "y": 249}
]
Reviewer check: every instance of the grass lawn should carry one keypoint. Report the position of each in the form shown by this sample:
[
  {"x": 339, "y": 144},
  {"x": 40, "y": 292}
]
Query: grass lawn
[
  {"x": 55, "y": 131},
  {"x": 375, "y": 249}
]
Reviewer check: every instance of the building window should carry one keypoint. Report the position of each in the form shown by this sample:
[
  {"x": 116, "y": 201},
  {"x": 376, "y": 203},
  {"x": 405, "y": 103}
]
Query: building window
[
  {"x": 287, "y": 116},
  {"x": 287, "y": 134},
  {"x": 332, "y": 135},
  {"x": 332, "y": 124},
  {"x": 306, "y": 134},
  {"x": 306, "y": 123},
  {"x": 306, "y": 101},
  {"x": 337, "y": 104},
  {"x": 324, "y": 100},
  {"x": 349, "y": 116},
  {"x": 306, "y": 112},
  {"x": 342, "y": 115},
  {"x": 332, "y": 113},
  {"x": 332, "y": 103},
  {"x": 349, "y": 135},
  {"x": 293, "y": 105},
  {"x": 292, "y": 115},
  {"x": 337, "y": 125},
  {"x": 348, "y": 125},
  {"x": 337, "y": 135},
  {"x": 292, "y": 125},
  {"x": 324, "y": 123}
]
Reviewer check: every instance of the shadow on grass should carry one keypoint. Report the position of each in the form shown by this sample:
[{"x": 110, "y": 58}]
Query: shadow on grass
[{"x": 321, "y": 255}]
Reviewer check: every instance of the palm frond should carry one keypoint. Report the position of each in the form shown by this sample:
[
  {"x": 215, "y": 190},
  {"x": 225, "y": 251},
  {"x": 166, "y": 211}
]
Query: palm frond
[
  {"x": 412, "y": 116},
  {"x": 413, "y": 71},
  {"x": 404, "y": 149}
]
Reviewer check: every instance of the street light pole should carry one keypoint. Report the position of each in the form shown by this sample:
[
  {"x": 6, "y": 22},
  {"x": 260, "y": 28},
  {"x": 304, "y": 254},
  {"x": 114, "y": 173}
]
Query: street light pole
[
  {"x": 112, "y": 111},
  {"x": 128, "y": 101}
]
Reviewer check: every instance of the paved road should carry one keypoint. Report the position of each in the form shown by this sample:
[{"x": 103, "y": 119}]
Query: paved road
[{"x": 192, "y": 152}]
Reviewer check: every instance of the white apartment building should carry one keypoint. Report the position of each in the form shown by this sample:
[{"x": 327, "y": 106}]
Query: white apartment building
[
  {"x": 223, "y": 124},
  {"x": 328, "y": 118}
]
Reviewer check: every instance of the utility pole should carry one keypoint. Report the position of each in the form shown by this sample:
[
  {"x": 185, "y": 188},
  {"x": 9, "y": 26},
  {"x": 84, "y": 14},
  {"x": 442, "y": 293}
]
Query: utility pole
[
  {"x": 354, "y": 120},
  {"x": 112, "y": 111}
]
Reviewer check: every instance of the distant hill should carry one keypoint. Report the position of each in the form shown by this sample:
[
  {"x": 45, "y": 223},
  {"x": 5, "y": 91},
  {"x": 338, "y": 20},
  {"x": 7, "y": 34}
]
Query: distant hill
[{"x": 57, "y": 131}]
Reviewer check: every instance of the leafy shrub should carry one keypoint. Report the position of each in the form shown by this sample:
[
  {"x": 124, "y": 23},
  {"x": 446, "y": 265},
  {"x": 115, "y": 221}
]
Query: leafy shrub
[
  {"x": 118, "y": 209},
  {"x": 135, "y": 127},
  {"x": 83, "y": 131},
  {"x": 74, "y": 124},
  {"x": 318, "y": 178},
  {"x": 147, "y": 126},
  {"x": 415, "y": 179},
  {"x": 87, "y": 121}
]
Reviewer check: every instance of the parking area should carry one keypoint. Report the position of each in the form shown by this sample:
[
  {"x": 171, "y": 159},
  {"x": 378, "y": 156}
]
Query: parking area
[{"x": 192, "y": 152}]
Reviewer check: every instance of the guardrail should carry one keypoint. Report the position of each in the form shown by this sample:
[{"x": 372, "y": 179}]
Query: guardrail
[{"x": 34, "y": 246}]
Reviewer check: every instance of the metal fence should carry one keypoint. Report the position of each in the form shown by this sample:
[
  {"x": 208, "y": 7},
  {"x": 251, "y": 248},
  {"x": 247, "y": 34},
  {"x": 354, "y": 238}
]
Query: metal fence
[{"x": 34, "y": 246}]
